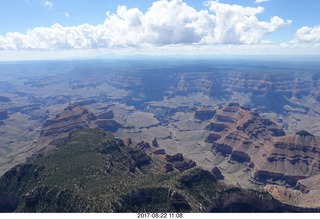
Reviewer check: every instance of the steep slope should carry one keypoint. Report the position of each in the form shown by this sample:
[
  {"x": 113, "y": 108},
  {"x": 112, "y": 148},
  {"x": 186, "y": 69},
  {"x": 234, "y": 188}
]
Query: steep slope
[
  {"x": 243, "y": 141},
  {"x": 252, "y": 151},
  {"x": 292, "y": 158},
  {"x": 94, "y": 172},
  {"x": 306, "y": 194},
  {"x": 72, "y": 118}
]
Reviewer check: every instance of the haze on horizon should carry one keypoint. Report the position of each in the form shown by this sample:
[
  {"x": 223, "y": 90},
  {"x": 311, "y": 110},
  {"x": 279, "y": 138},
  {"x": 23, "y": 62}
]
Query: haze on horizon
[{"x": 56, "y": 29}]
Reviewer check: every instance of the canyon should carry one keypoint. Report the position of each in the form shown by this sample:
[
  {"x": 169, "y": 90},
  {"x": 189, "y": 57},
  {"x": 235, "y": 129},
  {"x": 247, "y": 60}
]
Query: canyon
[{"x": 251, "y": 124}]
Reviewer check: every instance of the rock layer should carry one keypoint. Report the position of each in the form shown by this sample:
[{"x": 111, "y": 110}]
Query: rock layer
[{"x": 262, "y": 146}]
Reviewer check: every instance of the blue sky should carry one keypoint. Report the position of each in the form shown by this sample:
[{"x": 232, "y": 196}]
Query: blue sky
[{"x": 163, "y": 26}]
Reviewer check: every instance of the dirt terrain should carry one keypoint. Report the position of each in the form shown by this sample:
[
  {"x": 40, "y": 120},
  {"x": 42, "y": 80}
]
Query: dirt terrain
[{"x": 255, "y": 126}]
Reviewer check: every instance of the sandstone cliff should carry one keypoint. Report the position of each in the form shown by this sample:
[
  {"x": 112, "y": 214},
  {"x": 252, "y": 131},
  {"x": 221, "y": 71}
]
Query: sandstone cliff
[{"x": 243, "y": 136}]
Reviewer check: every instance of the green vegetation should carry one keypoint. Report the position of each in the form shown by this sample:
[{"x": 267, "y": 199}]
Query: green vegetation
[{"x": 94, "y": 172}]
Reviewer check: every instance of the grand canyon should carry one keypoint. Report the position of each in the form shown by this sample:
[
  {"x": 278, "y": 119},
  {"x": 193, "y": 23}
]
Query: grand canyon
[{"x": 164, "y": 135}]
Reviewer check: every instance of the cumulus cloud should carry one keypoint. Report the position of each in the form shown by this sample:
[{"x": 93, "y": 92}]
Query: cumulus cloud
[
  {"x": 47, "y": 4},
  {"x": 261, "y": 1},
  {"x": 307, "y": 35},
  {"x": 165, "y": 23},
  {"x": 236, "y": 24}
]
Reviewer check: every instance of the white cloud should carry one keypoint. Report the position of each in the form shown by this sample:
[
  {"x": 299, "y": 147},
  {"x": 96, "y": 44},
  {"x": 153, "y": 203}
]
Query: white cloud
[
  {"x": 47, "y": 4},
  {"x": 66, "y": 14},
  {"x": 239, "y": 25},
  {"x": 261, "y": 1},
  {"x": 165, "y": 23},
  {"x": 307, "y": 35}
]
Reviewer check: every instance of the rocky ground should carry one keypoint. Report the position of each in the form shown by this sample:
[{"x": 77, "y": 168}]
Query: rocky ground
[
  {"x": 91, "y": 171},
  {"x": 249, "y": 126}
]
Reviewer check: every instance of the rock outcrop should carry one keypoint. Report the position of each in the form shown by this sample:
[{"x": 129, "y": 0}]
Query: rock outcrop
[
  {"x": 298, "y": 153},
  {"x": 159, "y": 152},
  {"x": 249, "y": 201},
  {"x": 278, "y": 178},
  {"x": 217, "y": 127},
  {"x": 272, "y": 157},
  {"x": 168, "y": 167},
  {"x": 155, "y": 142},
  {"x": 174, "y": 158},
  {"x": 184, "y": 165},
  {"x": 179, "y": 162},
  {"x": 140, "y": 158},
  {"x": 75, "y": 117},
  {"x": 204, "y": 113},
  {"x": 240, "y": 157},
  {"x": 72, "y": 118},
  {"x": 224, "y": 149},
  {"x": 212, "y": 138},
  {"x": 217, "y": 173},
  {"x": 128, "y": 141},
  {"x": 143, "y": 145},
  {"x": 258, "y": 128}
]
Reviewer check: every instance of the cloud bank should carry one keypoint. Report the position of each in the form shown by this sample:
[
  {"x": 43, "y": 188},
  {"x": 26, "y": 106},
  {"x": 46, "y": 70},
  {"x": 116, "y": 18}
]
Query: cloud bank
[{"x": 165, "y": 23}]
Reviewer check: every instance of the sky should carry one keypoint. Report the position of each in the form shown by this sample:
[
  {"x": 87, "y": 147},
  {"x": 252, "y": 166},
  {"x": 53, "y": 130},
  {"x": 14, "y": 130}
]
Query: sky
[{"x": 57, "y": 29}]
